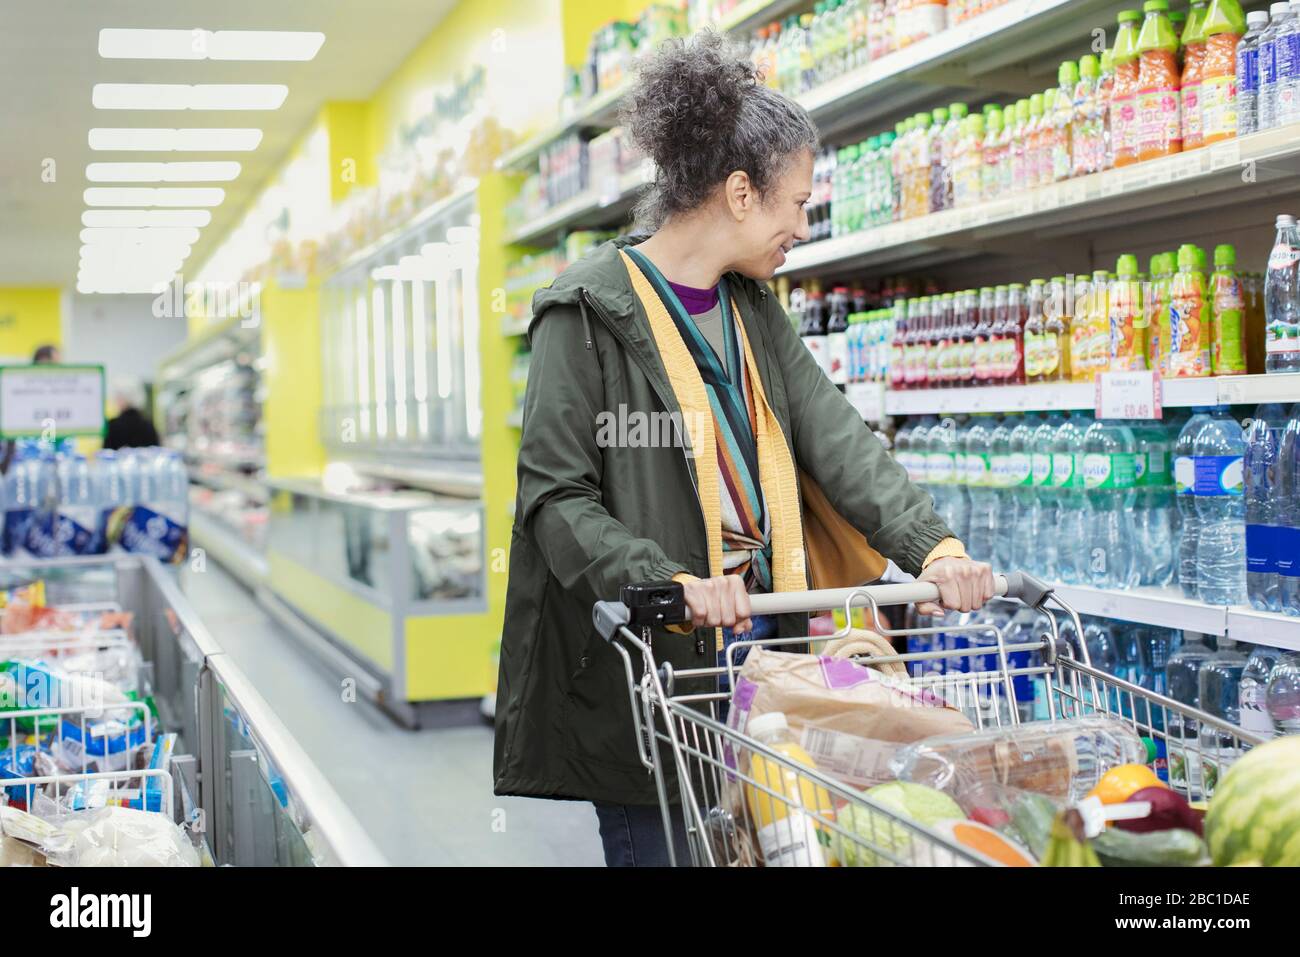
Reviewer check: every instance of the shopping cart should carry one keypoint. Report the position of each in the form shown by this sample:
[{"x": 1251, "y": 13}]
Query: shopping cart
[{"x": 705, "y": 786}]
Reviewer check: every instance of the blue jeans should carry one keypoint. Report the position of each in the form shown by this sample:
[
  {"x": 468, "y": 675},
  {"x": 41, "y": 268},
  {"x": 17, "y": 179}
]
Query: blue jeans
[{"x": 633, "y": 835}]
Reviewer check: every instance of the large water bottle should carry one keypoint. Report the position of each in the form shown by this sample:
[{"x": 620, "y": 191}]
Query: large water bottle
[
  {"x": 1041, "y": 521},
  {"x": 112, "y": 497},
  {"x": 1072, "y": 535},
  {"x": 1021, "y": 474},
  {"x": 1154, "y": 509},
  {"x": 1108, "y": 473},
  {"x": 1279, "y": 13},
  {"x": 1220, "y": 689},
  {"x": 1221, "y": 508},
  {"x": 947, "y": 439},
  {"x": 1282, "y": 300},
  {"x": 1287, "y": 536},
  {"x": 77, "y": 518},
  {"x": 979, "y": 484},
  {"x": 1002, "y": 490},
  {"x": 938, "y": 471},
  {"x": 1263, "y": 505},
  {"x": 1185, "y": 495},
  {"x": 40, "y": 541},
  {"x": 1282, "y": 697},
  {"x": 1182, "y": 675},
  {"x": 20, "y": 501},
  {"x": 1287, "y": 92},
  {"x": 1248, "y": 73},
  {"x": 1253, "y": 696}
]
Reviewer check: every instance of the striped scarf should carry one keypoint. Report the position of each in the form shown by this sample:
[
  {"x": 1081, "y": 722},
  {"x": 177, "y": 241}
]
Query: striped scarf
[{"x": 746, "y": 524}]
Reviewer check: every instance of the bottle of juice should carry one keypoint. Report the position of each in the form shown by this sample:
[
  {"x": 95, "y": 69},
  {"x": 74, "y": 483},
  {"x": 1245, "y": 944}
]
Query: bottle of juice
[
  {"x": 1086, "y": 134},
  {"x": 991, "y": 169},
  {"x": 1159, "y": 124},
  {"x": 998, "y": 338},
  {"x": 1034, "y": 332},
  {"x": 970, "y": 164},
  {"x": 1193, "y": 61},
  {"x": 1223, "y": 29},
  {"x": 1105, "y": 94},
  {"x": 952, "y": 136},
  {"x": 1036, "y": 140},
  {"x": 1189, "y": 328},
  {"x": 967, "y": 322},
  {"x": 919, "y": 180},
  {"x": 1014, "y": 334},
  {"x": 1058, "y": 319},
  {"x": 1097, "y": 349},
  {"x": 1010, "y": 119},
  {"x": 1128, "y": 320},
  {"x": 1019, "y": 148},
  {"x": 898, "y": 349},
  {"x": 1227, "y": 315},
  {"x": 1123, "y": 102},
  {"x": 939, "y": 158},
  {"x": 983, "y": 363},
  {"x": 784, "y": 805},
  {"x": 896, "y": 165},
  {"x": 1157, "y": 308}
]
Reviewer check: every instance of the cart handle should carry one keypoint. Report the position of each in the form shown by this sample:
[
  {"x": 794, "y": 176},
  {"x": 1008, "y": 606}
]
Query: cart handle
[{"x": 664, "y": 603}]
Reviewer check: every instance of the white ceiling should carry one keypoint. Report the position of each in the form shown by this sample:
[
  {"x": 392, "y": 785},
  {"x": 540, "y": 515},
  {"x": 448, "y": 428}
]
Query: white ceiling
[{"x": 49, "y": 61}]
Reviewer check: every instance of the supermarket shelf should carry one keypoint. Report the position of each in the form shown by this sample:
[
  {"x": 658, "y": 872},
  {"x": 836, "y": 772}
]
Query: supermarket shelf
[
  {"x": 1178, "y": 393},
  {"x": 430, "y": 214},
  {"x": 1166, "y": 607},
  {"x": 231, "y": 482},
  {"x": 214, "y": 343},
  {"x": 465, "y": 481},
  {"x": 601, "y": 111},
  {"x": 236, "y": 556},
  {"x": 253, "y": 461},
  {"x": 593, "y": 207},
  {"x": 1047, "y": 218}
]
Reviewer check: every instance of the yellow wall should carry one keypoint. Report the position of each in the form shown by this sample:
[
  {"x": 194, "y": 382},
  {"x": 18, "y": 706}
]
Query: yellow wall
[
  {"x": 29, "y": 317},
  {"x": 291, "y": 345},
  {"x": 351, "y": 162}
]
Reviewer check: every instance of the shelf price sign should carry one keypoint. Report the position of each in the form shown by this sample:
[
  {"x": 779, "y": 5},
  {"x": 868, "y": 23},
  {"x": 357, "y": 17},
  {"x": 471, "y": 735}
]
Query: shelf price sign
[
  {"x": 868, "y": 398},
  {"x": 40, "y": 400},
  {"x": 1129, "y": 395}
]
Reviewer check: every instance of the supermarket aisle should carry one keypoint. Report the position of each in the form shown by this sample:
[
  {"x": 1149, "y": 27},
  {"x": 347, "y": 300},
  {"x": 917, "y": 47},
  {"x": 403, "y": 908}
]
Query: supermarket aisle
[{"x": 426, "y": 796}]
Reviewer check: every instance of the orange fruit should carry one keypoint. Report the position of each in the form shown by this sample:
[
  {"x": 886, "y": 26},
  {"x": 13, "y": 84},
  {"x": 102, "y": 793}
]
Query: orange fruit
[{"x": 1124, "y": 780}]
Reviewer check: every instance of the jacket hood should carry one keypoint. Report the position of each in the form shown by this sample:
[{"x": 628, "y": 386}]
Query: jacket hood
[{"x": 600, "y": 274}]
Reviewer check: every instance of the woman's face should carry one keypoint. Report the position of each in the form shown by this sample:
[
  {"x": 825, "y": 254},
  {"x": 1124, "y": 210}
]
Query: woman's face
[{"x": 771, "y": 225}]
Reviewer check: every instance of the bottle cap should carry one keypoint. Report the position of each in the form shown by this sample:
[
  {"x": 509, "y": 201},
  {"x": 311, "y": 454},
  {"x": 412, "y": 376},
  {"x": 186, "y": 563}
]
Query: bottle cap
[
  {"x": 872, "y": 143},
  {"x": 988, "y": 108},
  {"x": 940, "y": 115},
  {"x": 1186, "y": 255},
  {"x": 958, "y": 110},
  {"x": 1225, "y": 255},
  {"x": 1038, "y": 282},
  {"x": 998, "y": 289},
  {"x": 887, "y": 139},
  {"x": 766, "y": 724},
  {"x": 1036, "y": 105},
  {"x": 1022, "y": 111},
  {"x": 1279, "y": 9},
  {"x": 1224, "y": 16},
  {"x": 1284, "y": 221},
  {"x": 1156, "y": 6},
  {"x": 1128, "y": 16},
  {"x": 923, "y": 120},
  {"x": 1127, "y": 266},
  {"x": 1058, "y": 279},
  {"x": 1016, "y": 286},
  {"x": 1257, "y": 19},
  {"x": 993, "y": 122},
  {"x": 1154, "y": 267},
  {"x": 1089, "y": 67}
]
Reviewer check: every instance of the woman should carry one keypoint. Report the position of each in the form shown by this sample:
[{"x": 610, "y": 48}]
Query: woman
[{"x": 676, "y": 428}]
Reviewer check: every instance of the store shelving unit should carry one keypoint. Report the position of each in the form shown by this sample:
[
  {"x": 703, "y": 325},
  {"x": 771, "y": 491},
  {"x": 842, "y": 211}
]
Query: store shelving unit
[{"x": 590, "y": 208}]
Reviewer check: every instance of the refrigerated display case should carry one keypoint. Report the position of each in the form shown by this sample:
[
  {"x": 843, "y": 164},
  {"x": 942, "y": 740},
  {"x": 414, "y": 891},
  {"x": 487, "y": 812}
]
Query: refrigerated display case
[{"x": 243, "y": 787}]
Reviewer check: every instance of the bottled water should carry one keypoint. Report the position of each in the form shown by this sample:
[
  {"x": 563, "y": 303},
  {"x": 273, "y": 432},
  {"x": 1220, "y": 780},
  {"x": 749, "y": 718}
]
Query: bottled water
[
  {"x": 946, "y": 440},
  {"x": 1185, "y": 494},
  {"x": 20, "y": 501},
  {"x": 1282, "y": 697},
  {"x": 1287, "y": 89},
  {"x": 1263, "y": 506},
  {"x": 939, "y": 468},
  {"x": 1279, "y": 13},
  {"x": 1021, "y": 493},
  {"x": 1220, "y": 691},
  {"x": 1282, "y": 300},
  {"x": 77, "y": 516},
  {"x": 979, "y": 484},
  {"x": 40, "y": 528},
  {"x": 1253, "y": 696},
  {"x": 1067, "y": 478},
  {"x": 1183, "y": 678},
  {"x": 159, "y": 524},
  {"x": 112, "y": 496},
  {"x": 1221, "y": 508},
  {"x": 1108, "y": 472},
  {"x": 1248, "y": 73},
  {"x": 1288, "y": 515},
  {"x": 1153, "y": 515},
  {"x": 1040, "y": 534},
  {"x": 1003, "y": 479}
]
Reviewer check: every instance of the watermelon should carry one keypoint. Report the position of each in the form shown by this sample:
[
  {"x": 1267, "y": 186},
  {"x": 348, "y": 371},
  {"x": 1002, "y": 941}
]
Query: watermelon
[{"x": 1254, "y": 816}]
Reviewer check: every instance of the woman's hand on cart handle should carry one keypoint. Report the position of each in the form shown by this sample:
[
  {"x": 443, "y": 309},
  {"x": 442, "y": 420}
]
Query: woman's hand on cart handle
[
  {"x": 964, "y": 585},
  {"x": 718, "y": 602}
]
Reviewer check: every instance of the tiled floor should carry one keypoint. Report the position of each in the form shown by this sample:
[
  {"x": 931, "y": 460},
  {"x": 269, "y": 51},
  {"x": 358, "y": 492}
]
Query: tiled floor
[{"x": 425, "y": 797}]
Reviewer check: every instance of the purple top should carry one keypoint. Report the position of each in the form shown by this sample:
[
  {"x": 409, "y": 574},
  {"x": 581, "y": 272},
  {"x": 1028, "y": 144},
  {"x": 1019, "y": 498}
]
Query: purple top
[{"x": 695, "y": 301}]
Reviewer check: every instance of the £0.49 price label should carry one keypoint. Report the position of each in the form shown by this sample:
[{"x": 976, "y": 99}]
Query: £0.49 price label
[{"x": 1129, "y": 395}]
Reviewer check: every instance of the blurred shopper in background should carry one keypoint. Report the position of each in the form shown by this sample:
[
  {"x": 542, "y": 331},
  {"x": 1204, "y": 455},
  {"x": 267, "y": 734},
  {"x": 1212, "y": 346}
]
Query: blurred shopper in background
[{"x": 130, "y": 428}]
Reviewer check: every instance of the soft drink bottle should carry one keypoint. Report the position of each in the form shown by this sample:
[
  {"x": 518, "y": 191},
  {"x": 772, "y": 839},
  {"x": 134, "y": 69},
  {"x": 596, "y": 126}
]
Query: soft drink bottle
[
  {"x": 1252, "y": 698},
  {"x": 1124, "y": 124},
  {"x": 1227, "y": 315},
  {"x": 1127, "y": 318},
  {"x": 1220, "y": 505},
  {"x": 1160, "y": 128},
  {"x": 1282, "y": 300},
  {"x": 1193, "y": 43},
  {"x": 1189, "y": 319},
  {"x": 1248, "y": 73},
  {"x": 1224, "y": 26},
  {"x": 1063, "y": 122},
  {"x": 993, "y": 149},
  {"x": 1185, "y": 494}
]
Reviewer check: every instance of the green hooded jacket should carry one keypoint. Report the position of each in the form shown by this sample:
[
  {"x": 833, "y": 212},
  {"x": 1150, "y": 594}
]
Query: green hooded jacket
[{"x": 593, "y": 515}]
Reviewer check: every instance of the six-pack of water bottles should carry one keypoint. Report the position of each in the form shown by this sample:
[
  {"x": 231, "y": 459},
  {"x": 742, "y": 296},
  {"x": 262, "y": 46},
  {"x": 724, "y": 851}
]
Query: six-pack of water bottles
[{"x": 58, "y": 503}]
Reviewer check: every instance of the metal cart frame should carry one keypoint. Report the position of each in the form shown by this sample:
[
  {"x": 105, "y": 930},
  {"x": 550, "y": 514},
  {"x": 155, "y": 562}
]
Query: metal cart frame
[{"x": 716, "y": 798}]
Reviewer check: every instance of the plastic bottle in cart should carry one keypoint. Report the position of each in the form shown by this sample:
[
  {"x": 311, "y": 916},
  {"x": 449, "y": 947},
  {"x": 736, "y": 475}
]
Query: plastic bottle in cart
[
  {"x": 1193, "y": 43},
  {"x": 1279, "y": 15},
  {"x": 1220, "y": 506},
  {"x": 1160, "y": 129},
  {"x": 1224, "y": 26},
  {"x": 1288, "y": 515},
  {"x": 1282, "y": 300},
  {"x": 1109, "y": 468},
  {"x": 1124, "y": 104},
  {"x": 1252, "y": 695},
  {"x": 784, "y": 805},
  {"x": 1220, "y": 691},
  {"x": 1263, "y": 505},
  {"x": 1282, "y": 696},
  {"x": 1073, "y": 525}
]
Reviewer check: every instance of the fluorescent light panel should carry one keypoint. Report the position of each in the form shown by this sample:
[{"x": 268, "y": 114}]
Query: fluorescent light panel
[
  {"x": 150, "y": 196},
  {"x": 180, "y": 96},
  {"x": 155, "y": 236},
  {"x": 217, "y": 172},
  {"x": 145, "y": 218},
  {"x": 215, "y": 140},
  {"x": 126, "y": 44}
]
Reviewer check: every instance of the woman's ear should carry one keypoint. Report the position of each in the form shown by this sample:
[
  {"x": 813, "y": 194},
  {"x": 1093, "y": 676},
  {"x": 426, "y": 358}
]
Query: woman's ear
[{"x": 739, "y": 194}]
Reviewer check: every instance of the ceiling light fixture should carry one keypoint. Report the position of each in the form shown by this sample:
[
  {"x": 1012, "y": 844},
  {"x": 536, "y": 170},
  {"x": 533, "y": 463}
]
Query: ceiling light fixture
[
  {"x": 140, "y": 237},
  {"x": 150, "y": 196},
  {"x": 179, "y": 96},
  {"x": 130, "y": 44},
  {"x": 217, "y": 172},
  {"x": 145, "y": 218},
  {"x": 161, "y": 141}
]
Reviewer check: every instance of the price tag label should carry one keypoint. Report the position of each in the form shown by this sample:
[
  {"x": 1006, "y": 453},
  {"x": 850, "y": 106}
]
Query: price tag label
[
  {"x": 48, "y": 400},
  {"x": 868, "y": 398},
  {"x": 1112, "y": 183},
  {"x": 1129, "y": 395},
  {"x": 1225, "y": 154}
]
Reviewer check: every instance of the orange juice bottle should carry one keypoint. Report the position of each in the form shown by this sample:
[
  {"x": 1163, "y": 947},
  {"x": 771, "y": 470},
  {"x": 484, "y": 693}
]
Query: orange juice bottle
[
  {"x": 1159, "y": 124},
  {"x": 1123, "y": 94},
  {"x": 1224, "y": 25},
  {"x": 1097, "y": 351},
  {"x": 1157, "y": 308},
  {"x": 1076, "y": 301},
  {"x": 1128, "y": 320},
  {"x": 1193, "y": 59},
  {"x": 787, "y": 809},
  {"x": 1189, "y": 317}
]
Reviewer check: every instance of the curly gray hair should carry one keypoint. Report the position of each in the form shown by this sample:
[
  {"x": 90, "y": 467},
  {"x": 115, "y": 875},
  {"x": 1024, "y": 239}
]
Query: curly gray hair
[{"x": 699, "y": 109}]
